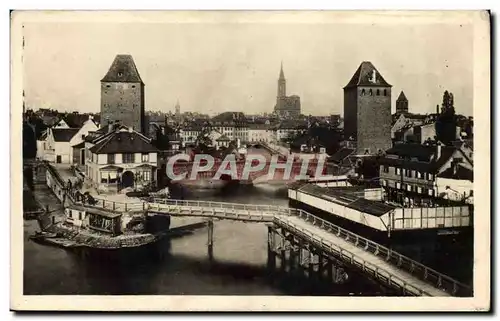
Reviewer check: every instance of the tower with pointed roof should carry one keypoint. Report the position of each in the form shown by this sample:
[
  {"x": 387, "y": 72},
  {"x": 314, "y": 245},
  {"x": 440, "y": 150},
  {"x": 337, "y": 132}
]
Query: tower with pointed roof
[
  {"x": 401, "y": 104},
  {"x": 367, "y": 110},
  {"x": 122, "y": 95},
  {"x": 286, "y": 106},
  {"x": 281, "y": 83}
]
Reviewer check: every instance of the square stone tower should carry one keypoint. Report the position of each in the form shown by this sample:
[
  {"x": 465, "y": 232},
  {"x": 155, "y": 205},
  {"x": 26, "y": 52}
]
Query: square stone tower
[
  {"x": 367, "y": 110},
  {"x": 122, "y": 95}
]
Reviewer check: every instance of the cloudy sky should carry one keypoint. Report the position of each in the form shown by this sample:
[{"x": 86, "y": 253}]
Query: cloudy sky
[{"x": 234, "y": 66}]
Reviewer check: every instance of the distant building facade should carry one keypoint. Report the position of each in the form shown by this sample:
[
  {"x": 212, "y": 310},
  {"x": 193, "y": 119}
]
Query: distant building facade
[
  {"x": 122, "y": 95},
  {"x": 367, "y": 110},
  {"x": 286, "y": 106}
]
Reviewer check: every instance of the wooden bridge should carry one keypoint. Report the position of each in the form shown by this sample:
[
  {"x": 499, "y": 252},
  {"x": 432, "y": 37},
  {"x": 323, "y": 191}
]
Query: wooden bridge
[{"x": 386, "y": 266}]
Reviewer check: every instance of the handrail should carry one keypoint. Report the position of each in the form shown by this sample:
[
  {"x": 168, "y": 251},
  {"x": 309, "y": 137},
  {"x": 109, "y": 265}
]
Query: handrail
[
  {"x": 390, "y": 255},
  {"x": 340, "y": 250}
]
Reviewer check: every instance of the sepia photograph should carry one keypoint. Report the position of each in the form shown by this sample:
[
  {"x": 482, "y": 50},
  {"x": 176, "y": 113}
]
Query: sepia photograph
[{"x": 250, "y": 160}]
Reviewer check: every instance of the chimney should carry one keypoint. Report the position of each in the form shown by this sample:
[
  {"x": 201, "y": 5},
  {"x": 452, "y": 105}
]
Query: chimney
[
  {"x": 438, "y": 151},
  {"x": 437, "y": 109},
  {"x": 130, "y": 129}
]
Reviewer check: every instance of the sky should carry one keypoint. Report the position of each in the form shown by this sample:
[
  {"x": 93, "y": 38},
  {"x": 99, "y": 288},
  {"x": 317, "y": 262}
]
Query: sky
[{"x": 230, "y": 66}]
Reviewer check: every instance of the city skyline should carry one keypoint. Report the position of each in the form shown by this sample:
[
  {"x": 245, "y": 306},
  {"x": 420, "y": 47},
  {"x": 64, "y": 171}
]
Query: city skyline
[{"x": 180, "y": 62}]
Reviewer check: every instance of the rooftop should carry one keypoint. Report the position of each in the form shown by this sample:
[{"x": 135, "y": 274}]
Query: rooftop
[
  {"x": 124, "y": 141},
  {"x": 64, "y": 134},
  {"x": 367, "y": 75},
  {"x": 123, "y": 69}
]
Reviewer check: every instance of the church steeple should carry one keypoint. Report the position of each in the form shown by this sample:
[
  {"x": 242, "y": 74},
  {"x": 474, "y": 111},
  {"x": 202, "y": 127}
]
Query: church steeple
[
  {"x": 282, "y": 75},
  {"x": 282, "y": 83}
]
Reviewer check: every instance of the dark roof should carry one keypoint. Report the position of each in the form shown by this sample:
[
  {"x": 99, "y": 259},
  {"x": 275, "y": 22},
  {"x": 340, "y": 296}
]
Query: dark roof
[
  {"x": 223, "y": 138},
  {"x": 124, "y": 142},
  {"x": 364, "y": 76},
  {"x": 418, "y": 157},
  {"x": 341, "y": 154},
  {"x": 339, "y": 196},
  {"x": 80, "y": 145},
  {"x": 402, "y": 97},
  {"x": 460, "y": 173},
  {"x": 64, "y": 134},
  {"x": 122, "y": 69}
]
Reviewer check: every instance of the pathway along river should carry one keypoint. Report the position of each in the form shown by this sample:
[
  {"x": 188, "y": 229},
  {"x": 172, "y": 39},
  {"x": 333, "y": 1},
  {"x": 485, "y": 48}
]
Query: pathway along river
[{"x": 182, "y": 266}]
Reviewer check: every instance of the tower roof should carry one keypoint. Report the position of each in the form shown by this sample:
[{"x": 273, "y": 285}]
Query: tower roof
[
  {"x": 402, "y": 96},
  {"x": 122, "y": 69},
  {"x": 367, "y": 75},
  {"x": 282, "y": 74}
]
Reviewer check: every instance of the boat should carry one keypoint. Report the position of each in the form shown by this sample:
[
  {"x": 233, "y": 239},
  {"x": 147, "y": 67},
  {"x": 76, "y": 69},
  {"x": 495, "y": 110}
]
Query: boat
[{"x": 99, "y": 229}]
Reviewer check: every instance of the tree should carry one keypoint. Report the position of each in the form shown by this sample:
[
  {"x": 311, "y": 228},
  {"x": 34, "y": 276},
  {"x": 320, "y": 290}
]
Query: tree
[{"x": 446, "y": 122}]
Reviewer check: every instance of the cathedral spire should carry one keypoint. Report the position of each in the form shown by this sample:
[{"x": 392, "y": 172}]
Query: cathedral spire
[{"x": 282, "y": 74}]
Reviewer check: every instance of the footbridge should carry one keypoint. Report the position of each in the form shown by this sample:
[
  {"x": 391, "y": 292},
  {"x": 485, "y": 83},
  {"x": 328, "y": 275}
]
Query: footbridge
[{"x": 324, "y": 241}]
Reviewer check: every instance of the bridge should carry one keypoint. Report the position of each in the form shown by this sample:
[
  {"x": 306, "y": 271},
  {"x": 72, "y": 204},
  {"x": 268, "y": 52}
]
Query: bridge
[{"x": 325, "y": 243}]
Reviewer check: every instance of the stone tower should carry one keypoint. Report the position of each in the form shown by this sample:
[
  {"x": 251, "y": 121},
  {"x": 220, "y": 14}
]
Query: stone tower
[
  {"x": 122, "y": 95},
  {"x": 367, "y": 110},
  {"x": 281, "y": 84},
  {"x": 401, "y": 104}
]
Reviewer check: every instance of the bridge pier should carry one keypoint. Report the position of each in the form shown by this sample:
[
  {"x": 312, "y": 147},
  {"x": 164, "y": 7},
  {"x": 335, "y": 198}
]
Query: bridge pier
[
  {"x": 210, "y": 243},
  {"x": 271, "y": 255}
]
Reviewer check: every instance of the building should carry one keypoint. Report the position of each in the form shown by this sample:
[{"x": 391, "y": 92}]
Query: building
[
  {"x": 178, "y": 116},
  {"x": 286, "y": 106},
  {"x": 288, "y": 129},
  {"x": 401, "y": 104},
  {"x": 57, "y": 146},
  {"x": 260, "y": 132},
  {"x": 404, "y": 121},
  {"x": 120, "y": 158},
  {"x": 409, "y": 172},
  {"x": 232, "y": 124},
  {"x": 367, "y": 110},
  {"x": 190, "y": 131},
  {"x": 77, "y": 142},
  {"x": 122, "y": 95}
]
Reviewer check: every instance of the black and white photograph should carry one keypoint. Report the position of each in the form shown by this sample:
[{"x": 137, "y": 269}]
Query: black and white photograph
[{"x": 321, "y": 159}]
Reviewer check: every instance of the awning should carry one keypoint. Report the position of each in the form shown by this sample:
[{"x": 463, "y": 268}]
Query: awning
[
  {"x": 145, "y": 166},
  {"x": 110, "y": 168}
]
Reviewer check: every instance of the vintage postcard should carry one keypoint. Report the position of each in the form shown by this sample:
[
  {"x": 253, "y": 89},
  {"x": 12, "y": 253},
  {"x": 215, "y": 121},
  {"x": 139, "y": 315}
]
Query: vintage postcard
[{"x": 250, "y": 161}]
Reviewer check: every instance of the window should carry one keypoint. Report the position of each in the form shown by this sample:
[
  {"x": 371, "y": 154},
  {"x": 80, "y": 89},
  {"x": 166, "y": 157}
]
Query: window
[
  {"x": 419, "y": 175},
  {"x": 112, "y": 177},
  {"x": 145, "y": 157},
  {"x": 83, "y": 137},
  {"x": 128, "y": 158},
  {"x": 362, "y": 92},
  {"x": 430, "y": 176},
  {"x": 111, "y": 158},
  {"x": 398, "y": 171},
  {"x": 408, "y": 172},
  {"x": 386, "y": 169},
  {"x": 133, "y": 86},
  {"x": 80, "y": 215},
  {"x": 107, "y": 86},
  {"x": 385, "y": 92},
  {"x": 146, "y": 176},
  {"x": 378, "y": 92},
  {"x": 370, "y": 92},
  {"x": 104, "y": 177},
  {"x": 120, "y": 74}
]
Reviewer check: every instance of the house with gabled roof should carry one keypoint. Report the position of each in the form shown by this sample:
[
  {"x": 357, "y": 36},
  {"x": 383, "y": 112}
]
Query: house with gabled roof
[
  {"x": 120, "y": 158},
  {"x": 57, "y": 147},
  {"x": 410, "y": 171}
]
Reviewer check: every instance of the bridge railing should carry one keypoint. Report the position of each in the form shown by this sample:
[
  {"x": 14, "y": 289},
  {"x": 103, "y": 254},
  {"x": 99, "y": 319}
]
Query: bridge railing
[
  {"x": 270, "y": 209},
  {"x": 354, "y": 259},
  {"x": 415, "y": 268}
]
